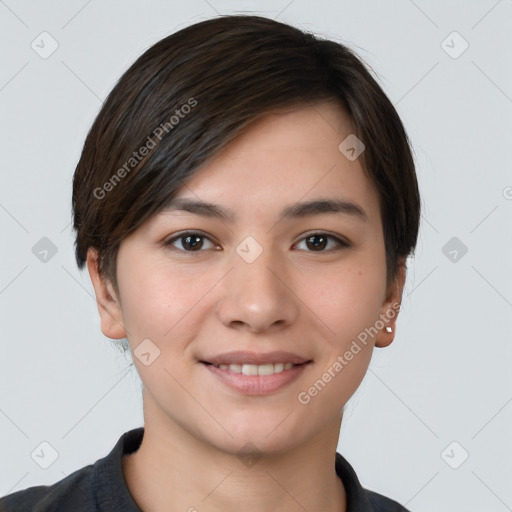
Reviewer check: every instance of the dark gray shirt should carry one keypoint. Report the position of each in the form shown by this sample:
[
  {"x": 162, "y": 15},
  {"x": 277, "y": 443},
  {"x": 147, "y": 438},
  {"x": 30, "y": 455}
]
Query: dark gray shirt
[{"x": 101, "y": 487}]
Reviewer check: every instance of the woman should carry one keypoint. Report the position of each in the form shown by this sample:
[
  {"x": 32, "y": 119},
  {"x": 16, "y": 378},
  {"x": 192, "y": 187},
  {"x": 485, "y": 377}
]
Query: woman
[{"x": 245, "y": 203}]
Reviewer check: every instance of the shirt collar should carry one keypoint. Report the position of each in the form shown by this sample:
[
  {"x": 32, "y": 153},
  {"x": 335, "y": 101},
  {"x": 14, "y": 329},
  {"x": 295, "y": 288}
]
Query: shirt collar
[
  {"x": 108, "y": 482},
  {"x": 112, "y": 494}
]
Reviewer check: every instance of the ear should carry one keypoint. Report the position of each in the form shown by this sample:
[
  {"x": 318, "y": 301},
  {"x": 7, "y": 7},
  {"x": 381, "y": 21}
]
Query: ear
[
  {"x": 108, "y": 303},
  {"x": 391, "y": 307}
]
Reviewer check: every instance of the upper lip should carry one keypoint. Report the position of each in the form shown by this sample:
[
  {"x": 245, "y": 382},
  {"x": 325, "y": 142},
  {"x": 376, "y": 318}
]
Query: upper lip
[{"x": 244, "y": 357}]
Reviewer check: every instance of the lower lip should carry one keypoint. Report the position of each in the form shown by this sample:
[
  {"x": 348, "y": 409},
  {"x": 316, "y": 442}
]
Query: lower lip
[{"x": 257, "y": 384}]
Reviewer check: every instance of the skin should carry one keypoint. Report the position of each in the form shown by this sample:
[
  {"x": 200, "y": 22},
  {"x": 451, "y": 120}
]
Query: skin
[{"x": 293, "y": 297}]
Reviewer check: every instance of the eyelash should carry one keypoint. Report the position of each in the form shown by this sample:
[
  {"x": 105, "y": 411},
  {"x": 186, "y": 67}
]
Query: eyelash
[{"x": 342, "y": 244}]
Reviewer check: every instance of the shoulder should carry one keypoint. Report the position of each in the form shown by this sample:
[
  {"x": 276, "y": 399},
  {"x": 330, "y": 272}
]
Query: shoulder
[
  {"x": 73, "y": 492},
  {"x": 96, "y": 487},
  {"x": 383, "y": 504},
  {"x": 359, "y": 498}
]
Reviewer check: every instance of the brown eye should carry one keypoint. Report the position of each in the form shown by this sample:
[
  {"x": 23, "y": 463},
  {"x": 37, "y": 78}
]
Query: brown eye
[
  {"x": 192, "y": 242},
  {"x": 189, "y": 242},
  {"x": 317, "y": 242}
]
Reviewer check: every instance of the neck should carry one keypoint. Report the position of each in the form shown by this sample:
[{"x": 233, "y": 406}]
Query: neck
[{"x": 173, "y": 470}]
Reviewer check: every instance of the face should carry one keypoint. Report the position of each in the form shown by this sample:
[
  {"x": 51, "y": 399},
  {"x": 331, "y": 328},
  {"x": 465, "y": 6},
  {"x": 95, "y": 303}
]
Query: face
[{"x": 198, "y": 288}]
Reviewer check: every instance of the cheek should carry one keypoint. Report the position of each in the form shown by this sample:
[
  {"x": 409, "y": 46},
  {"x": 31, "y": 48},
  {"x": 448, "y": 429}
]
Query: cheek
[
  {"x": 347, "y": 300},
  {"x": 157, "y": 301},
  {"x": 162, "y": 307},
  {"x": 335, "y": 380}
]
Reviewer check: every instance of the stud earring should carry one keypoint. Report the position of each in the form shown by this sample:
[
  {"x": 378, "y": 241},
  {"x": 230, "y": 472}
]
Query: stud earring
[{"x": 389, "y": 329}]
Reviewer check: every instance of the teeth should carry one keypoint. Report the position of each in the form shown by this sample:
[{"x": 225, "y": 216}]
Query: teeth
[
  {"x": 256, "y": 369},
  {"x": 252, "y": 369}
]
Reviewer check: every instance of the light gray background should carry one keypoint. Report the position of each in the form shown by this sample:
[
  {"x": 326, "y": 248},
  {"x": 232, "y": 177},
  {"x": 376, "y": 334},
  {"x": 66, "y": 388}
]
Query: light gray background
[{"x": 447, "y": 375}]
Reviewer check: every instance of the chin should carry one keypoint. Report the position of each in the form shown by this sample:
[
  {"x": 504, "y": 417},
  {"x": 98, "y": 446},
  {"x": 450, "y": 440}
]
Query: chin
[{"x": 272, "y": 434}]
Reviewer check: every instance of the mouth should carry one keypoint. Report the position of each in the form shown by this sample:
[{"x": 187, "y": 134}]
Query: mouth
[
  {"x": 256, "y": 379},
  {"x": 255, "y": 373}
]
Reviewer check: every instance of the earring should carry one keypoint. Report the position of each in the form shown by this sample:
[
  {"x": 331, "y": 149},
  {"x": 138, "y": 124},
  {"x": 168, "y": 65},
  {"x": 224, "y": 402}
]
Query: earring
[{"x": 389, "y": 329}]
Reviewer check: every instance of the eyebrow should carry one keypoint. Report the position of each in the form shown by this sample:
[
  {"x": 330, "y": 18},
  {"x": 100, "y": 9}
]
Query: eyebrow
[{"x": 293, "y": 211}]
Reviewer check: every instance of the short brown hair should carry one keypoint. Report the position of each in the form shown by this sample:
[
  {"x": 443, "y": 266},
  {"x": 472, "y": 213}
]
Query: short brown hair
[{"x": 193, "y": 92}]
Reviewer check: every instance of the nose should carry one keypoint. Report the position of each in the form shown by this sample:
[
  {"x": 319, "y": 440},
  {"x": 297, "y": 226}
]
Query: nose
[{"x": 258, "y": 296}]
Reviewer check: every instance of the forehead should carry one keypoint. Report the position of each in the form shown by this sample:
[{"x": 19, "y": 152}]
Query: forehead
[{"x": 283, "y": 159}]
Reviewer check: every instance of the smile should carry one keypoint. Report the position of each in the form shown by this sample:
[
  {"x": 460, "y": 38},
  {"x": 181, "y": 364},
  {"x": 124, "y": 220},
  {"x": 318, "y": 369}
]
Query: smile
[{"x": 256, "y": 379}]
